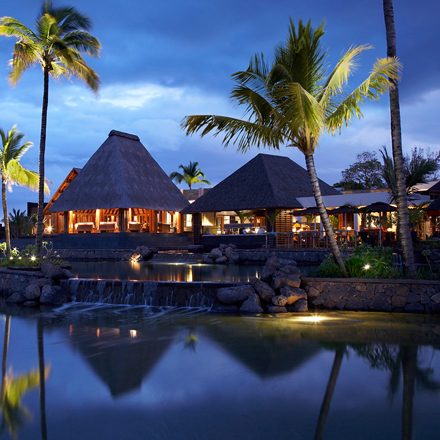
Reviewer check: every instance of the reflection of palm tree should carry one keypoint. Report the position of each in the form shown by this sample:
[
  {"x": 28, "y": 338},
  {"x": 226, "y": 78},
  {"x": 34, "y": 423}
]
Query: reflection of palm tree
[
  {"x": 42, "y": 377},
  {"x": 325, "y": 408},
  {"x": 12, "y": 390},
  {"x": 401, "y": 362}
]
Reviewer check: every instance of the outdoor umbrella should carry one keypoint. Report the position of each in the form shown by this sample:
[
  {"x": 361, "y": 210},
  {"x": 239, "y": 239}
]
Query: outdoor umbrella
[
  {"x": 307, "y": 211},
  {"x": 380, "y": 207},
  {"x": 341, "y": 210}
]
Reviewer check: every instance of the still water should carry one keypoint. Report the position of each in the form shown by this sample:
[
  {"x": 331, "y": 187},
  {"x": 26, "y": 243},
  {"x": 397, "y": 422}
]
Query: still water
[{"x": 118, "y": 372}]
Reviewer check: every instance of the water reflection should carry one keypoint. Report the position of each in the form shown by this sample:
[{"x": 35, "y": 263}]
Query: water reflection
[{"x": 184, "y": 374}]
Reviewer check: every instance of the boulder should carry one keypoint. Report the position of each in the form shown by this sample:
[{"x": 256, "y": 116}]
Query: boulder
[
  {"x": 279, "y": 300},
  {"x": 31, "y": 303},
  {"x": 252, "y": 304},
  {"x": 215, "y": 253},
  {"x": 285, "y": 279},
  {"x": 50, "y": 270},
  {"x": 32, "y": 292},
  {"x": 40, "y": 282},
  {"x": 53, "y": 295},
  {"x": 277, "y": 309},
  {"x": 233, "y": 295},
  {"x": 293, "y": 294},
  {"x": 68, "y": 274},
  {"x": 221, "y": 260},
  {"x": 206, "y": 259},
  {"x": 269, "y": 270},
  {"x": 298, "y": 306},
  {"x": 16, "y": 298},
  {"x": 263, "y": 289}
]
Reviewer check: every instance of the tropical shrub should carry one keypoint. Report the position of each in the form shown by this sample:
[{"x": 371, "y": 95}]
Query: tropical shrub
[{"x": 328, "y": 269}]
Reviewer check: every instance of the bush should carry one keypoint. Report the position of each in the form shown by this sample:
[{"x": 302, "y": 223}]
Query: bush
[{"x": 328, "y": 269}]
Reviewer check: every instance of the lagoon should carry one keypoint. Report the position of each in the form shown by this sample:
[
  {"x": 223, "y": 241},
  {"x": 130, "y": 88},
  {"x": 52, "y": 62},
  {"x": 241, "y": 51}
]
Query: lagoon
[{"x": 121, "y": 372}]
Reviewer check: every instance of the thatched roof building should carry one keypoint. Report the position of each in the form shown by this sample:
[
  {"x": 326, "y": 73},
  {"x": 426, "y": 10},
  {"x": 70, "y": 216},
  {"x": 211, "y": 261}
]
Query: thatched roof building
[
  {"x": 265, "y": 182},
  {"x": 121, "y": 174}
]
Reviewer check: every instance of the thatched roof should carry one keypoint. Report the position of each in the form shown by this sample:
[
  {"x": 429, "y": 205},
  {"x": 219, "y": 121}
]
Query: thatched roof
[
  {"x": 434, "y": 206},
  {"x": 121, "y": 174},
  {"x": 265, "y": 182},
  {"x": 66, "y": 182}
]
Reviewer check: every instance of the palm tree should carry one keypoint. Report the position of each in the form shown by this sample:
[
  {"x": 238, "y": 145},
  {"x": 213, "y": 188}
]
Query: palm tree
[
  {"x": 191, "y": 175},
  {"x": 295, "y": 101},
  {"x": 417, "y": 168},
  {"x": 396, "y": 138},
  {"x": 61, "y": 37},
  {"x": 11, "y": 151}
]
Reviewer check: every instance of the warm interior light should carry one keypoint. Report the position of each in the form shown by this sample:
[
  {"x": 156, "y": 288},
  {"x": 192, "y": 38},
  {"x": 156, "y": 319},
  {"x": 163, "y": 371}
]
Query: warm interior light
[
  {"x": 133, "y": 333},
  {"x": 348, "y": 228},
  {"x": 49, "y": 229},
  {"x": 390, "y": 229}
]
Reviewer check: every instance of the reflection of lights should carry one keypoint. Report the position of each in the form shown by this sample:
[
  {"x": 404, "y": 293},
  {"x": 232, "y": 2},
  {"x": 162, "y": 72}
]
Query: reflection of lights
[
  {"x": 98, "y": 332},
  {"x": 313, "y": 318},
  {"x": 133, "y": 333},
  {"x": 135, "y": 258},
  {"x": 190, "y": 274},
  {"x": 367, "y": 266}
]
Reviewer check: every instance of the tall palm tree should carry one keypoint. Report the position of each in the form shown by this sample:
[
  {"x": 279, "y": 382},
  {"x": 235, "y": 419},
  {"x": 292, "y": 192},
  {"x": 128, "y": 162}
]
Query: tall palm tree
[
  {"x": 191, "y": 175},
  {"x": 416, "y": 169},
  {"x": 295, "y": 101},
  {"x": 11, "y": 151},
  {"x": 396, "y": 139},
  {"x": 61, "y": 37}
]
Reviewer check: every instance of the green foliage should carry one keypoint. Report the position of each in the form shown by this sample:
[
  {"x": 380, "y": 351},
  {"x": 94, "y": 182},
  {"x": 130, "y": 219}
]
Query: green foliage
[
  {"x": 191, "y": 175},
  {"x": 365, "y": 173},
  {"x": 27, "y": 257},
  {"x": 328, "y": 269}
]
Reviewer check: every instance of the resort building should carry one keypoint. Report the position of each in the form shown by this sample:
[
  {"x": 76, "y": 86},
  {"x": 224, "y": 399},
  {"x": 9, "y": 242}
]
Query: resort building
[{"x": 120, "y": 189}]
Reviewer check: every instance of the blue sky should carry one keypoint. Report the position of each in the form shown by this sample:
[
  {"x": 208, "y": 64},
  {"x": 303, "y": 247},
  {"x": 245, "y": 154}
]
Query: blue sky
[{"x": 161, "y": 61}]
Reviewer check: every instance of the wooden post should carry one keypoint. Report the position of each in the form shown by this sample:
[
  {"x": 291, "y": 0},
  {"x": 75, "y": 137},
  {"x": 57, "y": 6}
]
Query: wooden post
[
  {"x": 197, "y": 228},
  {"x": 122, "y": 220},
  {"x": 66, "y": 222},
  {"x": 153, "y": 223}
]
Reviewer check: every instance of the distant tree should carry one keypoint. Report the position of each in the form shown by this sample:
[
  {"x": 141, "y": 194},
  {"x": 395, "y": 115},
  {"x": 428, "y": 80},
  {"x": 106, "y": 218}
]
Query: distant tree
[
  {"x": 12, "y": 173},
  {"x": 17, "y": 222},
  {"x": 419, "y": 167},
  {"x": 365, "y": 173},
  {"x": 61, "y": 37},
  {"x": 191, "y": 175}
]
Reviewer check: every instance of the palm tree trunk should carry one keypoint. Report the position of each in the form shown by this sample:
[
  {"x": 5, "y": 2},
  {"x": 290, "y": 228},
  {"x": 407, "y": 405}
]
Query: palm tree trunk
[
  {"x": 396, "y": 136},
  {"x": 5, "y": 349},
  {"x": 325, "y": 408},
  {"x": 5, "y": 213},
  {"x": 40, "y": 216},
  {"x": 41, "y": 368},
  {"x": 310, "y": 163}
]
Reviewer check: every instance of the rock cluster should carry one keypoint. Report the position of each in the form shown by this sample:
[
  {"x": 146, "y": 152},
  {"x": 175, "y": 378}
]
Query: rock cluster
[
  {"x": 224, "y": 254},
  {"x": 141, "y": 253},
  {"x": 45, "y": 290},
  {"x": 278, "y": 291}
]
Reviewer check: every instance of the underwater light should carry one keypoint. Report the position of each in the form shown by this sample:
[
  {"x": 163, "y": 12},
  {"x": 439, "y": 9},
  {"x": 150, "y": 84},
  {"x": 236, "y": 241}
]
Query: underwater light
[{"x": 313, "y": 318}]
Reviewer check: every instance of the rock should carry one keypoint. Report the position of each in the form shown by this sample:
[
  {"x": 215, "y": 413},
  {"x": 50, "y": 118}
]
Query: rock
[
  {"x": 223, "y": 308},
  {"x": 16, "y": 298},
  {"x": 54, "y": 295},
  {"x": 215, "y": 253},
  {"x": 354, "y": 304},
  {"x": 206, "y": 259},
  {"x": 40, "y": 282},
  {"x": 313, "y": 292},
  {"x": 228, "y": 251},
  {"x": 68, "y": 274},
  {"x": 277, "y": 309},
  {"x": 269, "y": 269},
  {"x": 436, "y": 298},
  {"x": 293, "y": 294},
  {"x": 380, "y": 303},
  {"x": 234, "y": 257},
  {"x": 280, "y": 300},
  {"x": 414, "y": 308},
  {"x": 50, "y": 270},
  {"x": 263, "y": 289},
  {"x": 221, "y": 260},
  {"x": 299, "y": 306},
  {"x": 32, "y": 292},
  {"x": 252, "y": 304},
  {"x": 31, "y": 303},
  {"x": 280, "y": 279},
  {"x": 232, "y": 295}
]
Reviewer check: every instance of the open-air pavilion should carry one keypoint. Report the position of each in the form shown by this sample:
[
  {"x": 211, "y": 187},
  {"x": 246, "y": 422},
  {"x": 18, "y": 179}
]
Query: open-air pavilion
[{"x": 120, "y": 189}]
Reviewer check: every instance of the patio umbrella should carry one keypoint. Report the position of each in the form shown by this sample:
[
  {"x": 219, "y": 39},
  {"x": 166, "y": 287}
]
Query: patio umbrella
[
  {"x": 341, "y": 210},
  {"x": 307, "y": 211},
  {"x": 380, "y": 207}
]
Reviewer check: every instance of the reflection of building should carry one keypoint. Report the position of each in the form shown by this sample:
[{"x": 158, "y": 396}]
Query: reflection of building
[
  {"x": 264, "y": 349},
  {"x": 122, "y": 358},
  {"x": 120, "y": 189}
]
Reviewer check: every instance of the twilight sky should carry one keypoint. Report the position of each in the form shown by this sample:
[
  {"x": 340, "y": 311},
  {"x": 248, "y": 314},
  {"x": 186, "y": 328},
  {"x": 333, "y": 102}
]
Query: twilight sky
[{"x": 161, "y": 61}]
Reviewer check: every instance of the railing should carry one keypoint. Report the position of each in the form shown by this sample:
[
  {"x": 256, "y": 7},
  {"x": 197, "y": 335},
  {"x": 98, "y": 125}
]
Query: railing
[{"x": 308, "y": 239}]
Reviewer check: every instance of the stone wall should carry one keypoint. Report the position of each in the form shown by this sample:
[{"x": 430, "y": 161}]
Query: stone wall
[
  {"x": 304, "y": 256},
  {"x": 16, "y": 281},
  {"x": 409, "y": 296}
]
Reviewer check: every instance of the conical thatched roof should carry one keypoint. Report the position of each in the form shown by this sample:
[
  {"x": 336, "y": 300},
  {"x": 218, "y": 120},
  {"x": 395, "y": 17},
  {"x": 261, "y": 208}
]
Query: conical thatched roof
[
  {"x": 264, "y": 182},
  {"x": 121, "y": 174}
]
